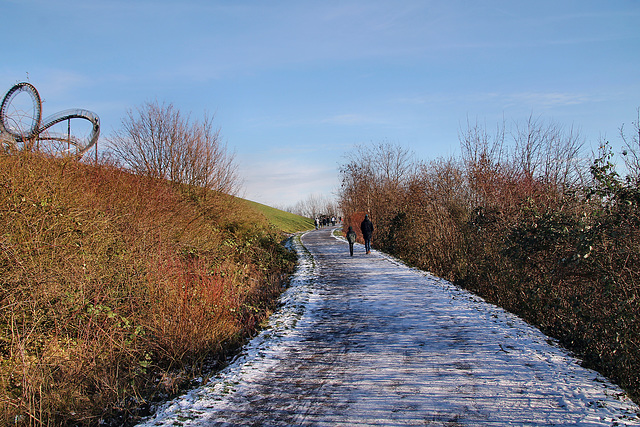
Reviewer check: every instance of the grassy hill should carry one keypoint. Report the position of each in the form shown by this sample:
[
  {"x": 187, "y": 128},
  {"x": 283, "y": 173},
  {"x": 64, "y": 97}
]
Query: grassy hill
[
  {"x": 116, "y": 289},
  {"x": 281, "y": 220}
]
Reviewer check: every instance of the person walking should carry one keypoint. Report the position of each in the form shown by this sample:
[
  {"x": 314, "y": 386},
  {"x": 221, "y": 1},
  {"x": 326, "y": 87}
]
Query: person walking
[
  {"x": 367, "y": 231},
  {"x": 351, "y": 238}
]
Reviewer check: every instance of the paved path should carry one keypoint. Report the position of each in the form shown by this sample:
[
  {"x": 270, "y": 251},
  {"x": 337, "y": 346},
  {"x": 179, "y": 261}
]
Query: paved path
[{"x": 378, "y": 343}]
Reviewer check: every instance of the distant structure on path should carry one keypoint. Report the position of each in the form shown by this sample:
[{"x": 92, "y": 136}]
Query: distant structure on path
[{"x": 22, "y": 127}]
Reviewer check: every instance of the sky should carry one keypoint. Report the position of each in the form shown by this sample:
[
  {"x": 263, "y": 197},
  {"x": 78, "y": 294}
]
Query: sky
[{"x": 295, "y": 85}]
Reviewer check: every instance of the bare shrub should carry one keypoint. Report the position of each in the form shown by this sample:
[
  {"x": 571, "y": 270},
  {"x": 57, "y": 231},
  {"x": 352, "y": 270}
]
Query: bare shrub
[
  {"x": 631, "y": 152},
  {"x": 518, "y": 221},
  {"x": 374, "y": 175},
  {"x": 374, "y": 181},
  {"x": 159, "y": 142},
  {"x": 484, "y": 159},
  {"x": 314, "y": 206},
  {"x": 546, "y": 152},
  {"x": 440, "y": 199}
]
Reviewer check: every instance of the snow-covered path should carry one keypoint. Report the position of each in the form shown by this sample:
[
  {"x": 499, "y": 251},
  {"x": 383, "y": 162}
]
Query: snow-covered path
[{"x": 365, "y": 340}]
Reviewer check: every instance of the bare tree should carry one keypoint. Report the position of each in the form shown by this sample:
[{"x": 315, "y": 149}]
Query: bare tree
[
  {"x": 357, "y": 186},
  {"x": 538, "y": 154},
  {"x": 207, "y": 163},
  {"x": 374, "y": 177},
  {"x": 544, "y": 151},
  {"x": 392, "y": 164},
  {"x": 314, "y": 206},
  {"x": 484, "y": 158},
  {"x": 159, "y": 142},
  {"x": 480, "y": 147},
  {"x": 631, "y": 151}
]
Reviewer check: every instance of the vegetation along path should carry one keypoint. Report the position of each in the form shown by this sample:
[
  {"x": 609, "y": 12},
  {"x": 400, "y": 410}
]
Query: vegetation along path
[{"x": 365, "y": 340}]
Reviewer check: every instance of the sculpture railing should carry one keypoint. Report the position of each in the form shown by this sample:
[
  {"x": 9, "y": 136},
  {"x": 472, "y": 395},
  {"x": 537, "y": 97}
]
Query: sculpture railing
[{"x": 24, "y": 130}]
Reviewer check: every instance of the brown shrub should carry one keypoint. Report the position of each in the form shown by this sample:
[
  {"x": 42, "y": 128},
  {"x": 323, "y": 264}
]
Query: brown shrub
[
  {"x": 525, "y": 233},
  {"x": 111, "y": 284}
]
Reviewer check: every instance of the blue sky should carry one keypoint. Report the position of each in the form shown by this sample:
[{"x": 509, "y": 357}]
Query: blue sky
[{"x": 294, "y": 85}]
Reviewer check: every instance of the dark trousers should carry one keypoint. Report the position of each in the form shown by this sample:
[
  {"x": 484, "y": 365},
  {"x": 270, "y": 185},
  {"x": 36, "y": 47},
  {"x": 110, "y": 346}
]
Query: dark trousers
[
  {"x": 367, "y": 244},
  {"x": 351, "y": 248}
]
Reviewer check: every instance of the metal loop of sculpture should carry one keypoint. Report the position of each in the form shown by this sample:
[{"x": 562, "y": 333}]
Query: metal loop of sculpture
[{"x": 12, "y": 132}]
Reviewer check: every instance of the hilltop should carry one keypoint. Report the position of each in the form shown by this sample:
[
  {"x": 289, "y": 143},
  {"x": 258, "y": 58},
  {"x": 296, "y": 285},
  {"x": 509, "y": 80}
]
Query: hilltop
[{"x": 281, "y": 220}]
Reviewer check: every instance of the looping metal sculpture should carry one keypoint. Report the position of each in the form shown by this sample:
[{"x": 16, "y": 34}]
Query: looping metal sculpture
[{"x": 29, "y": 127}]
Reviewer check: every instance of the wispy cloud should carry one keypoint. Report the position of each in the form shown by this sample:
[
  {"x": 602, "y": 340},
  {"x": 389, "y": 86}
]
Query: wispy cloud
[
  {"x": 526, "y": 99},
  {"x": 545, "y": 99},
  {"x": 351, "y": 119}
]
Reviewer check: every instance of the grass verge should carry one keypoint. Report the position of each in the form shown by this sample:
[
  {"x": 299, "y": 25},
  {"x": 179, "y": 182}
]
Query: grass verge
[{"x": 281, "y": 220}]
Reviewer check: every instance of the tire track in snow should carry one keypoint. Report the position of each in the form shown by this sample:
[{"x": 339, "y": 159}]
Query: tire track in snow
[{"x": 369, "y": 341}]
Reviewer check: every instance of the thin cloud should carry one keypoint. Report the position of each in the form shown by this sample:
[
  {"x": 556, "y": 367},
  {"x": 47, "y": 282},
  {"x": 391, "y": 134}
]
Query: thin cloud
[
  {"x": 527, "y": 99},
  {"x": 546, "y": 99},
  {"x": 351, "y": 119}
]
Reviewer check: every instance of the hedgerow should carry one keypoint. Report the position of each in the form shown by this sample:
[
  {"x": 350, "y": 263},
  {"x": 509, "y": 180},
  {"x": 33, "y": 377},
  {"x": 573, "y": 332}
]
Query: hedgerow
[{"x": 528, "y": 228}]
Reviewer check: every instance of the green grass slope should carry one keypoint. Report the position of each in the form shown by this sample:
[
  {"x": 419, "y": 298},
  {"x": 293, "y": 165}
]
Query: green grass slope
[{"x": 283, "y": 221}]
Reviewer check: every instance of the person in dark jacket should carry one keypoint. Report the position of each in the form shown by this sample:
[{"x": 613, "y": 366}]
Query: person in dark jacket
[
  {"x": 351, "y": 238},
  {"x": 367, "y": 231}
]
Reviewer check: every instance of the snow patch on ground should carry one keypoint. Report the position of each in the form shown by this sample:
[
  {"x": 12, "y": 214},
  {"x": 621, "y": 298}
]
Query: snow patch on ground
[{"x": 259, "y": 355}]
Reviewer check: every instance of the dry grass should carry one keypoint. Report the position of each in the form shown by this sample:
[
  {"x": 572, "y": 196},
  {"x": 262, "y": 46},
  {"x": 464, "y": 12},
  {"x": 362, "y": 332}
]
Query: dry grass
[{"x": 116, "y": 289}]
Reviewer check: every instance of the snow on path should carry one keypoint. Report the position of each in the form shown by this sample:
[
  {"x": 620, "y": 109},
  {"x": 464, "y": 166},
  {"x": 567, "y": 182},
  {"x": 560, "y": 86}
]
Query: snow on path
[{"x": 369, "y": 341}]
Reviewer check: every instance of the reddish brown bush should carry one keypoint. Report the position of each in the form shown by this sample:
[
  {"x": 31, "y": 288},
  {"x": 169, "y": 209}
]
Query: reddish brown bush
[
  {"x": 115, "y": 288},
  {"x": 525, "y": 230}
]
